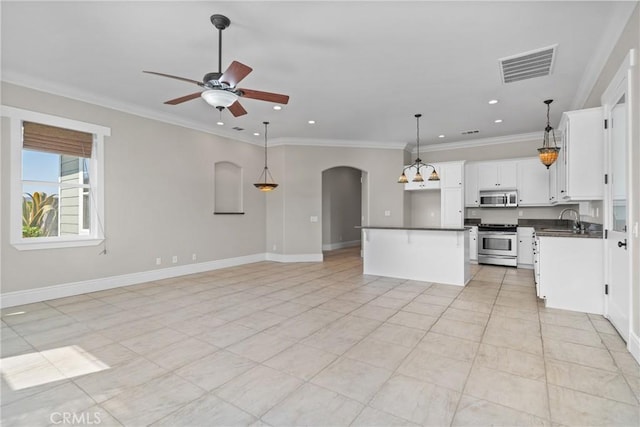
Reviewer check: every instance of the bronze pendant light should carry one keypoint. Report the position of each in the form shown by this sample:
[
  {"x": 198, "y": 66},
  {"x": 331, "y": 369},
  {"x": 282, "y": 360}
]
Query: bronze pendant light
[
  {"x": 417, "y": 164},
  {"x": 547, "y": 153},
  {"x": 265, "y": 181}
]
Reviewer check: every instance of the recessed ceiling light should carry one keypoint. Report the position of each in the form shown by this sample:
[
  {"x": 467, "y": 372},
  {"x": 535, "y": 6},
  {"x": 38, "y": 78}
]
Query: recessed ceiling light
[
  {"x": 497, "y": 121},
  {"x": 440, "y": 136},
  {"x": 220, "y": 123},
  {"x": 312, "y": 122},
  {"x": 277, "y": 107},
  {"x": 256, "y": 134},
  {"x": 493, "y": 101}
]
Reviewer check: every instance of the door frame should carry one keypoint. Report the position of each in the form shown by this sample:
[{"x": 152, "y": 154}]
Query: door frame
[{"x": 622, "y": 83}]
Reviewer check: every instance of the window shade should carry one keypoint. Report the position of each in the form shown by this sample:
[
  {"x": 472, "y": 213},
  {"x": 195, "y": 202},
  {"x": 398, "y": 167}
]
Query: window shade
[{"x": 36, "y": 136}]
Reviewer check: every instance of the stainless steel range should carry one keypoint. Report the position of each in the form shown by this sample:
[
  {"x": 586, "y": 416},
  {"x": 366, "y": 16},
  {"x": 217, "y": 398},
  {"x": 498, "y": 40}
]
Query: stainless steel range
[{"x": 498, "y": 244}]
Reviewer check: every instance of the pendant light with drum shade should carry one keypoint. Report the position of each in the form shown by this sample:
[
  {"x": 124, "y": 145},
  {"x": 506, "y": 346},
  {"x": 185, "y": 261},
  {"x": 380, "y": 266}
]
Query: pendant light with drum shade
[
  {"x": 265, "y": 181},
  {"x": 547, "y": 153},
  {"x": 417, "y": 164}
]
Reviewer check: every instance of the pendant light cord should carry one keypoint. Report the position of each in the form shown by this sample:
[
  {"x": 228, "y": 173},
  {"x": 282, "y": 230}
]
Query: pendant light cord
[{"x": 265, "y": 144}]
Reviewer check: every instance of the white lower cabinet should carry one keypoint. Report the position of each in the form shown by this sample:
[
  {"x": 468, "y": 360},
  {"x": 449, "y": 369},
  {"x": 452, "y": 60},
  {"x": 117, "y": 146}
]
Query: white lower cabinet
[
  {"x": 473, "y": 244},
  {"x": 571, "y": 274},
  {"x": 525, "y": 247}
]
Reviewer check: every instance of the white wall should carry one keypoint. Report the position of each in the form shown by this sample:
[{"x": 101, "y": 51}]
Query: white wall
[
  {"x": 159, "y": 199},
  {"x": 300, "y": 195},
  {"x": 425, "y": 208}
]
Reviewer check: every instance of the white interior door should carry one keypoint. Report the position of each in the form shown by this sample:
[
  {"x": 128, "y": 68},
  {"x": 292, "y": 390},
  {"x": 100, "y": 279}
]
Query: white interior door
[{"x": 616, "y": 107}]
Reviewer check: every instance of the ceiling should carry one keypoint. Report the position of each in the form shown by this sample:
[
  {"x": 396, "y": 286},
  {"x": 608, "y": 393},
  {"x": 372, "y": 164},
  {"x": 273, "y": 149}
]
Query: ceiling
[{"x": 361, "y": 70}]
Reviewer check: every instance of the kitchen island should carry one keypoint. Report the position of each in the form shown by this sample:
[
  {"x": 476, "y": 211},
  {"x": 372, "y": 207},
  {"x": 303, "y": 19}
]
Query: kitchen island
[{"x": 430, "y": 254}]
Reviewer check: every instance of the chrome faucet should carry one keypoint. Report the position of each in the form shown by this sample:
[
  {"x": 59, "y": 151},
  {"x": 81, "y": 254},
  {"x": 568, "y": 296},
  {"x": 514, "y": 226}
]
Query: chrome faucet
[{"x": 576, "y": 224}]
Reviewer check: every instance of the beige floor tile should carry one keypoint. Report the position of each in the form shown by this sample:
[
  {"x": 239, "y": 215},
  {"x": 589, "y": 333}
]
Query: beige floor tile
[
  {"x": 378, "y": 353},
  {"x": 311, "y": 405},
  {"x": 478, "y": 412},
  {"x": 607, "y": 384},
  {"x": 258, "y": 390},
  {"x": 341, "y": 306},
  {"x": 512, "y": 361},
  {"x": 518, "y": 326},
  {"x": 472, "y": 306},
  {"x": 207, "y": 410},
  {"x": 448, "y": 346},
  {"x": 38, "y": 409},
  {"x": 517, "y": 341},
  {"x": 417, "y": 401},
  {"x": 426, "y": 298},
  {"x": 287, "y": 309},
  {"x": 397, "y": 334},
  {"x": 371, "y": 417},
  {"x": 301, "y": 361},
  {"x": 152, "y": 341},
  {"x": 604, "y": 326},
  {"x": 181, "y": 353},
  {"x": 388, "y": 302},
  {"x": 515, "y": 313},
  {"x": 214, "y": 370},
  {"x": 474, "y": 317},
  {"x": 571, "y": 407},
  {"x": 581, "y": 354},
  {"x": 412, "y": 320},
  {"x": 458, "y": 329},
  {"x": 516, "y": 392},
  {"x": 613, "y": 342},
  {"x": 436, "y": 369},
  {"x": 352, "y": 378},
  {"x": 151, "y": 401},
  {"x": 261, "y": 347},
  {"x": 626, "y": 363},
  {"x": 577, "y": 336},
  {"x": 226, "y": 335},
  {"x": 106, "y": 384},
  {"x": 370, "y": 311},
  {"x": 432, "y": 310}
]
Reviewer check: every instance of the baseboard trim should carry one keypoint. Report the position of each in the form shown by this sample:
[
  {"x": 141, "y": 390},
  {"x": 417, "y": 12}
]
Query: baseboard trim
[
  {"x": 12, "y": 299},
  {"x": 634, "y": 346},
  {"x": 270, "y": 256},
  {"x": 341, "y": 245}
]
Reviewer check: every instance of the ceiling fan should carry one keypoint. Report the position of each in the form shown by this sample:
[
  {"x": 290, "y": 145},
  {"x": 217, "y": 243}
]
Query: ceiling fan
[{"x": 220, "y": 89}]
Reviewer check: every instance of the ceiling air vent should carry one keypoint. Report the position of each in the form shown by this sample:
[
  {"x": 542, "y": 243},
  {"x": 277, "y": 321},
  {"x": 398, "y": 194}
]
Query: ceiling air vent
[
  {"x": 536, "y": 63},
  {"x": 237, "y": 128},
  {"x": 469, "y": 132}
]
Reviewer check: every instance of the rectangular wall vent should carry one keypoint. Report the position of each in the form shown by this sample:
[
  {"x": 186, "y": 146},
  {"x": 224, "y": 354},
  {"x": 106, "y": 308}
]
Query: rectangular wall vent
[{"x": 536, "y": 63}]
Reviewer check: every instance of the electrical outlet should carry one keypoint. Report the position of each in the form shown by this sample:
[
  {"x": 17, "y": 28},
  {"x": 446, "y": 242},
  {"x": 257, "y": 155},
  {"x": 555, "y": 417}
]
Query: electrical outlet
[
  {"x": 520, "y": 212},
  {"x": 158, "y": 261},
  {"x": 194, "y": 257},
  {"x": 387, "y": 213},
  {"x": 274, "y": 247},
  {"x": 313, "y": 219},
  {"x": 174, "y": 259}
]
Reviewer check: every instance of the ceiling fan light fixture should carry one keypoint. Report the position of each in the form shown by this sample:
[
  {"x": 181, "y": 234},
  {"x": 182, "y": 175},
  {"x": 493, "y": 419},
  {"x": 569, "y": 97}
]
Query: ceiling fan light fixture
[{"x": 219, "y": 98}]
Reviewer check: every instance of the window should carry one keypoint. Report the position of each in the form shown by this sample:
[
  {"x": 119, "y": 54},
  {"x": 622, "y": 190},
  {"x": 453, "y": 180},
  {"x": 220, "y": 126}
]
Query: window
[{"x": 56, "y": 181}]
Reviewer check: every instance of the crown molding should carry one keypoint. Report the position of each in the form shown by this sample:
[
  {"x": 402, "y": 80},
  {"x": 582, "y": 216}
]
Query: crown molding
[
  {"x": 483, "y": 142},
  {"x": 340, "y": 143}
]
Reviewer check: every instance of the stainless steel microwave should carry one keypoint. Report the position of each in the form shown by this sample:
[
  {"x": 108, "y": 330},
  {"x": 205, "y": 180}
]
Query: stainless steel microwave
[{"x": 499, "y": 199}]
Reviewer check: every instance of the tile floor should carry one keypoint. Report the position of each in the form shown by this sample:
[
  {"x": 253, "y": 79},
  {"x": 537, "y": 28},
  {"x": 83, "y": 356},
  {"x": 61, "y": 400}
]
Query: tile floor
[{"x": 314, "y": 344}]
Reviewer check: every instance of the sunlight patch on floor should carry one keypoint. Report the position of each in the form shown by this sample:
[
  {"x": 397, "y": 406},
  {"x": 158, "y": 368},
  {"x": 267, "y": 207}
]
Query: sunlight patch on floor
[{"x": 34, "y": 369}]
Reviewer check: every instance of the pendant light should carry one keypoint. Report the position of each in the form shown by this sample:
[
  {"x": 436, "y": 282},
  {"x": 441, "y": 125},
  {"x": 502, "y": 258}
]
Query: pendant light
[
  {"x": 265, "y": 181},
  {"x": 547, "y": 153},
  {"x": 417, "y": 164}
]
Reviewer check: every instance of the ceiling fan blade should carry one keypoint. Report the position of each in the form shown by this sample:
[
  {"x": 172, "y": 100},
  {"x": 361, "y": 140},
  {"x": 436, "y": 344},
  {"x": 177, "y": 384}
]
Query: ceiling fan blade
[
  {"x": 265, "y": 96},
  {"x": 183, "y": 98},
  {"x": 184, "y": 79},
  {"x": 236, "y": 72},
  {"x": 236, "y": 109}
]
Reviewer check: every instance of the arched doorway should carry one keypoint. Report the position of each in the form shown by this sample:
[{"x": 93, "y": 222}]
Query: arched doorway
[{"x": 344, "y": 206}]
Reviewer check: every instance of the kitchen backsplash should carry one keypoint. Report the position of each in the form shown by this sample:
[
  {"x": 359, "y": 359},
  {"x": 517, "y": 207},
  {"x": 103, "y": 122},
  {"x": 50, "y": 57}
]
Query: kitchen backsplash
[{"x": 587, "y": 211}]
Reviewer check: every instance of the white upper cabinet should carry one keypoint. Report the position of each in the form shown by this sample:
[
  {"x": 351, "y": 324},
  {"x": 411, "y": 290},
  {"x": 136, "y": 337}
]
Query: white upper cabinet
[
  {"x": 533, "y": 183},
  {"x": 451, "y": 207},
  {"x": 497, "y": 175},
  {"x": 580, "y": 161},
  {"x": 471, "y": 199},
  {"x": 451, "y": 174}
]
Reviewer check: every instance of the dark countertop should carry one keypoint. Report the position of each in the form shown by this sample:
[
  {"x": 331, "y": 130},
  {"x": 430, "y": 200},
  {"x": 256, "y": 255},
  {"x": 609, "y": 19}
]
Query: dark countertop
[
  {"x": 553, "y": 227},
  {"x": 568, "y": 233},
  {"x": 416, "y": 228}
]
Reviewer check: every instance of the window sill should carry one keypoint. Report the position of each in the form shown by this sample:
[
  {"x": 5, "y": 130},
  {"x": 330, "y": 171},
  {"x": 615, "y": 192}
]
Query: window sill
[{"x": 26, "y": 245}]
